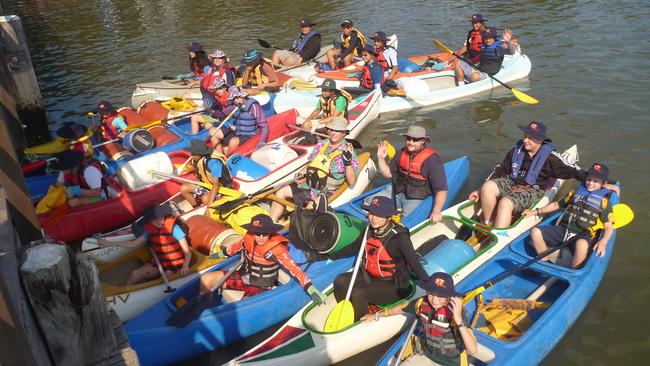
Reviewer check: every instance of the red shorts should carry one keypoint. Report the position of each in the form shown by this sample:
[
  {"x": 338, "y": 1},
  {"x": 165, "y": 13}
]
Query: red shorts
[{"x": 236, "y": 282}]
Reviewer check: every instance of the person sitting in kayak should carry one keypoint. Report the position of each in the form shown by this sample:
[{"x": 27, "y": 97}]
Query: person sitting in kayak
[
  {"x": 490, "y": 58},
  {"x": 210, "y": 169},
  {"x": 386, "y": 56},
  {"x": 82, "y": 177},
  {"x": 332, "y": 103},
  {"x": 472, "y": 47},
  {"x": 332, "y": 163},
  {"x": 112, "y": 124},
  {"x": 372, "y": 74},
  {"x": 199, "y": 62},
  {"x": 352, "y": 43},
  {"x": 304, "y": 48},
  {"x": 388, "y": 256},
  {"x": 522, "y": 178},
  {"x": 259, "y": 75},
  {"x": 443, "y": 321},
  {"x": 79, "y": 138},
  {"x": 416, "y": 172},
  {"x": 243, "y": 125},
  {"x": 264, "y": 253},
  {"x": 163, "y": 231},
  {"x": 583, "y": 207},
  {"x": 215, "y": 109}
]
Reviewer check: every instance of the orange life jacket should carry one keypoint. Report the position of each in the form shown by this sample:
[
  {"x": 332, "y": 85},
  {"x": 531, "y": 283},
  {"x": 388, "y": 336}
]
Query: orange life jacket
[
  {"x": 381, "y": 59},
  {"x": 110, "y": 132},
  {"x": 164, "y": 244},
  {"x": 474, "y": 44},
  {"x": 378, "y": 262},
  {"x": 366, "y": 76},
  {"x": 410, "y": 180},
  {"x": 259, "y": 263}
]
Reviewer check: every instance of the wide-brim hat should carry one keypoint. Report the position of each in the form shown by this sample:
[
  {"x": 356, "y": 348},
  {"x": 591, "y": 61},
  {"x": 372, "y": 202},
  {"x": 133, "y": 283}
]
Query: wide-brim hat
[
  {"x": 218, "y": 83},
  {"x": 218, "y": 53},
  {"x": 67, "y": 160},
  {"x": 155, "y": 211},
  {"x": 379, "y": 36},
  {"x": 251, "y": 56},
  {"x": 262, "y": 224},
  {"x": 236, "y": 92},
  {"x": 328, "y": 84},
  {"x": 598, "y": 170},
  {"x": 380, "y": 206},
  {"x": 439, "y": 284},
  {"x": 536, "y": 130},
  {"x": 72, "y": 130},
  {"x": 416, "y": 132},
  {"x": 338, "y": 124},
  {"x": 198, "y": 147}
]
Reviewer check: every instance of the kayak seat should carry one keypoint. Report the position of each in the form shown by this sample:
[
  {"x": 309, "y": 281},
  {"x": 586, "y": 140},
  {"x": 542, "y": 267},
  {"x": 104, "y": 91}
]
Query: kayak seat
[
  {"x": 246, "y": 168},
  {"x": 407, "y": 66},
  {"x": 230, "y": 296}
]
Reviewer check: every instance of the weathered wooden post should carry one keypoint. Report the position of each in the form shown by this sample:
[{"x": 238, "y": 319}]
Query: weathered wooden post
[{"x": 22, "y": 80}]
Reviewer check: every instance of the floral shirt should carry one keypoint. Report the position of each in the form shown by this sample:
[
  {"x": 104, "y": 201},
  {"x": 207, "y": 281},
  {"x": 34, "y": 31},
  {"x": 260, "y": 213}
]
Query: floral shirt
[{"x": 337, "y": 168}]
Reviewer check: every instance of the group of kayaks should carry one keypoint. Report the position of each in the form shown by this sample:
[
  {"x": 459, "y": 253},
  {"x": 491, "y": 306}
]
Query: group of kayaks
[{"x": 138, "y": 179}]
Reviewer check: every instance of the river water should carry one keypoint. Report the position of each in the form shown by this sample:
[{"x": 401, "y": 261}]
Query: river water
[{"x": 590, "y": 61}]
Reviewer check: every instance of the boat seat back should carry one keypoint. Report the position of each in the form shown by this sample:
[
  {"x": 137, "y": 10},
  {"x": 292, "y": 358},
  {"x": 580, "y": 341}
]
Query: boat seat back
[
  {"x": 246, "y": 168},
  {"x": 272, "y": 156},
  {"x": 407, "y": 66},
  {"x": 230, "y": 296},
  {"x": 134, "y": 174}
]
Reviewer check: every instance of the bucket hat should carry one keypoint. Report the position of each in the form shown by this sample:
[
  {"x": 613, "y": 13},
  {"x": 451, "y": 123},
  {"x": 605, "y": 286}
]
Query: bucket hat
[
  {"x": 72, "y": 130},
  {"x": 251, "y": 56},
  {"x": 198, "y": 147},
  {"x": 262, "y": 224},
  {"x": 416, "y": 132},
  {"x": 338, "y": 124},
  {"x": 67, "y": 160}
]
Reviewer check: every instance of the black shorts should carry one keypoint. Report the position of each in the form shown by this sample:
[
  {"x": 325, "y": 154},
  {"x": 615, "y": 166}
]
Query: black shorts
[
  {"x": 229, "y": 134},
  {"x": 554, "y": 236},
  {"x": 300, "y": 195}
]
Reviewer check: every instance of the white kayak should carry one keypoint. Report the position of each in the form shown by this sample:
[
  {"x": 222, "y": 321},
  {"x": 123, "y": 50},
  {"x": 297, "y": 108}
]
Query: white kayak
[{"x": 303, "y": 341}]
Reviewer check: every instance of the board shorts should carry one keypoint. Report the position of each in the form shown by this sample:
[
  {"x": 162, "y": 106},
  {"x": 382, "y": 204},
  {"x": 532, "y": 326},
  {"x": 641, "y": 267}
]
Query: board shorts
[
  {"x": 200, "y": 191},
  {"x": 229, "y": 134},
  {"x": 522, "y": 197},
  {"x": 554, "y": 236},
  {"x": 468, "y": 70},
  {"x": 236, "y": 282},
  {"x": 301, "y": 195},
  {"x": 287, "y": 56}
]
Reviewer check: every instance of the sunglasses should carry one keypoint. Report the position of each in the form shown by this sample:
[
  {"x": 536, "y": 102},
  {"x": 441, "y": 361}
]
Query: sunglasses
[
  {"x": 262, "y": 234},
  {"x": 414, "y": 139}
]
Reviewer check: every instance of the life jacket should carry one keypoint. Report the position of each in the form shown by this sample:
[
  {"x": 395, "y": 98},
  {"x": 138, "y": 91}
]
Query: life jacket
[
  {"x": 75, "y": 176},
  {"x": 257, "y": 76},
  {"x": 366, "y": 76},
  {"x": 410, "y": 180},
  {"x": 202, "y": 170},
  {"x": 215, "y": 74},
  {"x": 345, "y": 40},
  {"x": 585, "y": 207},
  {"x": 441, "y": 336},
  {"x": 259, "y": 262},
  {"x": 378, "y": 262},
  {"x": 381, "y": 59},
  {"x": 301, "y": 40},
  {"x": 474, "y": 44},
  {"x": 245, "y": 121},
  {"x": 198, "y": 64},
  {"x": 491, "y": 59},
  {"x": 164, "y": 244},
  {"x": 535, "y": 166},
  {"x": 328, "y": 106},
  {"x": 110, "y": 132},
  {"x": 319, "y": 174}
]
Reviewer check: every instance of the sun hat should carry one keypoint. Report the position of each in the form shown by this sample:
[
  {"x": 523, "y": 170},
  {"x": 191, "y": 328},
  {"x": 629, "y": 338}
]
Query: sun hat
[
  {"x": 72, "y": 130},
  {"x": 198, "y": 147},
  {"x": 416, "y": 132},
  {"x": 67, "y": 160},
  {"x": 262, "y": 224}
]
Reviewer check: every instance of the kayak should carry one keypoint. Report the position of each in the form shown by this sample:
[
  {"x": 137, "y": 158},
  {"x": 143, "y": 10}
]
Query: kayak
[
  {"x": 49, "y": 148},
  {"x": 432, "y": 89},
  {"x": 302, "y": 339},
  {"x": 230, "y": 319},
  {"x": 567, "y": 291}
]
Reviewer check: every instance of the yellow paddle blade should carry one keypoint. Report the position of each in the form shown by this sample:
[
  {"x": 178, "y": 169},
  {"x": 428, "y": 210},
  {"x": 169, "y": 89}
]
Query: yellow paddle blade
[
  {"x": 523, "y": 96},
  {"x": 442, "y": 47},
  {"x": 340, "y": 317},
  {"x": 390, "y": 150},
  {"x": 623, "y": 215},
  {"x": 472, "y": 294}
]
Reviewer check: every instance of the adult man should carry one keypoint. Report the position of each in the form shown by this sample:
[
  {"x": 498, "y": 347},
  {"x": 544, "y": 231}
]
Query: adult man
[
  {"x": 386, "y": 55},
  {"x": 332, "y": 103},
  {"x": 472, "y": 47},
  {"x": 352, "y": 43},
  {"x": 219, "y": 69},
  {"x": 82, "y": 177},
  {"x": 208, "y": 169},
  {"x": 416, "y": 172},
  {"x": 258, "y": 75},
  {"x": 372, "y": 74},
  {"x": 304, "y": 48},
  {"x": 491, "y": 57}
]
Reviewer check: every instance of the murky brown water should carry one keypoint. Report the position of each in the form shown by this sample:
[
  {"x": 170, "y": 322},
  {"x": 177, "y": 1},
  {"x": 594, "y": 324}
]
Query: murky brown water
[{"x": 590, "y": 72}]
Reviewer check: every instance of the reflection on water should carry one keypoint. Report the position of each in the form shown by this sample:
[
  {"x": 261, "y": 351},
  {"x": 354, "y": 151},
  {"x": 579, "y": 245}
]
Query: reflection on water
[{"x": 589, "y": 72}]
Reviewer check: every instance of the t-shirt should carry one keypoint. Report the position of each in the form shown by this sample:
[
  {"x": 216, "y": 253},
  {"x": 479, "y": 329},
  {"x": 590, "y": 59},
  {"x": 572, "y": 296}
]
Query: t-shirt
[
  {"x": 432, "y": 168},
  {"x": 216, "y": 168},
  {"x": 390, "y": 54},
  {"x": 92, "y": 175},
  {"x": 269, "y": 71},
  {"x": 177, "y": 232},
  {"x": 339, "y": 104},
  {"x": 119, "y": 122},
  {"x": 376, "y": 73}
]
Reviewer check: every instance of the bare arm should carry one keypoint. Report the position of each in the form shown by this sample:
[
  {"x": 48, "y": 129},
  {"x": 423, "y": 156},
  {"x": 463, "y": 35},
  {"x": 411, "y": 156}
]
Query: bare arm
[{"x": 384, "y": 167}]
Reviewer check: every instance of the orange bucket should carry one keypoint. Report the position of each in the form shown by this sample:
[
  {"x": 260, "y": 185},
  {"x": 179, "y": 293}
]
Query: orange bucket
[
  {"x": 131, "y": 116},
  {"x": 162, "y": 136},
  {"x": 206, "y": 235},
  {"x": 153, "y": 111}
]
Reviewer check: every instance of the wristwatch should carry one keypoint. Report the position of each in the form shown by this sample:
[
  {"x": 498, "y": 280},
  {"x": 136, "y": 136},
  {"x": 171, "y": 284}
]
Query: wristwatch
[{"x": 461, "y": 325}]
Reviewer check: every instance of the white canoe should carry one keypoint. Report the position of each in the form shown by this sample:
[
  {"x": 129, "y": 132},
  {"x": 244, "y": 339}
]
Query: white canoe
[{"x": 301, "y": 341}]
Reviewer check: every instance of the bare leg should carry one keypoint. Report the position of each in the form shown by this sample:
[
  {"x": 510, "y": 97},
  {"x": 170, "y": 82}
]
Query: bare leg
[
  {"x": 489, "y": 195},
  {"x": 348, "y": 60},
  {"x": 538, "y": 241},
  {"x": 580, "y": 253},
  {"x": 474, "y": 77},
  {"x": 504, "y": 213},
  {"x": 276, "y": 58},
  {"x": 233, "y": 143},
  {"x": 187, "y": 192},
  {"x": 142, "y": 274},
  {"x": 78, "y": 201},
  {"x": 331, "y": 58},
  {"x": 216, "y": 137},
  {"x": 460, "y": 75},
  {"x": 196, "y": 123},
  {"x": 277, "y": 209},
  {"x": 208, "y": 280}
]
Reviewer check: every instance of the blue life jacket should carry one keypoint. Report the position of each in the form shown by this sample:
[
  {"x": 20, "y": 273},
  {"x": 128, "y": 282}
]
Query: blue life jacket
[
  {"x": 585, "y": 207},
  {"x": 245, "y": 121},
  {"x": 535, "y": 166},
  {"x": 491, "y": 57},
  {"x": 300, "y": 41}
]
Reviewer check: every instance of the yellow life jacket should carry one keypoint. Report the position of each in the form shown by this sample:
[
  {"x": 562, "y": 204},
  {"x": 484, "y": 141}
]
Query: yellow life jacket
[
  {"x": 203, "y": 173},
  {"x": 346, "y": 41},
  {"x": 318, "y": 170},
  {"x": 257, "y": 77},
  {"x": 328, "y": 106}
]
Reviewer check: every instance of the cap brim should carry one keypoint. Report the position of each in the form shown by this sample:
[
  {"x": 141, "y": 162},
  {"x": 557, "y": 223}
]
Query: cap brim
[
  {"x": 269, "y": 229},
  {"x": 415, "y": 137},
  {"x": 370, "y": 211},
  {"x": 535, "y": 134}
]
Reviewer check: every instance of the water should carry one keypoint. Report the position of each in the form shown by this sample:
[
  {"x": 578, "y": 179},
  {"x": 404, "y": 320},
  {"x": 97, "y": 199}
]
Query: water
[{"x": 589, "y": 72}]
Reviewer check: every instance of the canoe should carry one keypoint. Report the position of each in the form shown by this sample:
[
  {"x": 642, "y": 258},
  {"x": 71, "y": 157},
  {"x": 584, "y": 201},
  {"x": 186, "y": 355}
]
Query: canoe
[
  {"x": 567, "y": 291},
  {"x": 49, "y": 148},
  {"x": 434, "y": 89},
  {"x": 302, "y": 340}
]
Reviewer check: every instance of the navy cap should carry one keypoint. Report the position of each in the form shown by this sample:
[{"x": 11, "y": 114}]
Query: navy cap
[
  {"x": 598, "y": 170},
  {"x": 380, "y": 206},
  {"x": 536, "y": 130},
  {"x": 194, "y": 47},
  {"x": 306, "y": 23},
  {"x": 370, "y": 49},
  {"x": 380, "y": 36},
  {"x": 105, "y": 107},
  {"x": 154, "y": 212},
  {"x": 478, "y": 18},
  {"x": 439, "y": 284},
  {"x": 489, "y": 33}
]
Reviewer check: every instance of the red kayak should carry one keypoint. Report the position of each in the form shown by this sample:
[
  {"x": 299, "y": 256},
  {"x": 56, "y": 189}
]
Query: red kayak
[{"x": 79, "y": 222}]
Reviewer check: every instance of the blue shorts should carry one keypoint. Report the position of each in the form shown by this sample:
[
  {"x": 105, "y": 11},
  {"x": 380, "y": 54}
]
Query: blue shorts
[
  {"x": 229, "y": 134},
  {"x": 554, "y": 236}
]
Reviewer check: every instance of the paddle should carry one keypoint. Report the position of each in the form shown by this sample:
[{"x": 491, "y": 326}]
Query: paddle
[
  {"x": 230, "y": 205},
  {"x": 623, "y": 215},
  {"x": 195, "y": 307},
  {"x": 517, "y": 93},
  {"x": 355, "y": 144},
  {"x": 160, "y": 121},
  {"x": 342, "y": 315},
  {"x": 162, "y": 272},
  {"x": 266, "y": 44}
]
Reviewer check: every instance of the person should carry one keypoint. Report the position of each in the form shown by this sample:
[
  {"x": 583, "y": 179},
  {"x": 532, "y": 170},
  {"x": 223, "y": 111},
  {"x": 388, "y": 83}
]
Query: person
[
  {"x": 523, "y": 176},
  {"x": 78, "y": 136},
  {"x": 352, "y": 43},
  {"x": 215, "y": 110},
  {"x": 372, "y": 74},
  {"x": 583, "y": 207},
  {"x": 304, "y": 48},
  {"x": 210, "y": 169},
  {"x": 332, "y": 103},
  {"x": 243, "y": 125},
  {"x": 472, "y": 47},
  {"x": 332, "y": 163},
  {"x": 416, "y": 172},
  {"x": 259, "y": 75},
  {"x": 490, "y": 58},
  {"x": 112, "y": 124},
  {"x": 163, "y": 231},
  {"x": 386, "y": 55},
  {"x": 264, "y": 252},
  {"x": 444, "y": 321},
  {"x": 198, "y": 62},
  {"x": 388, "y": 256},
  {"x": 220, "y": 69},
  {"x": 83, "y": 177}
]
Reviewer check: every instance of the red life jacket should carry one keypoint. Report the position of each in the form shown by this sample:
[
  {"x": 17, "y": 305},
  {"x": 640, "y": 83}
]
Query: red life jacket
[
  {"x": 440, "y": 336},
  {"x": 110, "y": 132},
  {"x": 197, "y": 68},
  {"x": 410, "y": 180},
  {"x": 169, "y": 251},
  {"x": 259, "y": 263},
  {"x": 474, "y": 44},
  {"x": 366, "y": 77},
  {"x": 213, "y": 75},
  {"x": 75, "y": 177},
  {"x": 379, "y": 263},
  {"x": 381, "y": 59}
]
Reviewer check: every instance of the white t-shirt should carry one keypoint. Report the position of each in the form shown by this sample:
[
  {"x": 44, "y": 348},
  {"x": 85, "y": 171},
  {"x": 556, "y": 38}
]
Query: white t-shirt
[
  {"x": 390, "y": 54},
  {"x": 92, "y": 175}
]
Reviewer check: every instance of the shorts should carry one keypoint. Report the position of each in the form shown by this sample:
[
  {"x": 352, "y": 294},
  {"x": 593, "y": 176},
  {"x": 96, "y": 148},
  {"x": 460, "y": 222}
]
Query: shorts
[
  {"x": 300, "y": 195},
  {"x": 522, "y": 197},
  {"x": 287, "y": 56},
  {"x": 229, "y": 134},
  {"x": 209, "y": 119},
  {"x": 236, "y": 282},
  {"x": 554, "y": 236},
  {"x": 468, "y": 70},
  {"x": 200, "y": 191}
]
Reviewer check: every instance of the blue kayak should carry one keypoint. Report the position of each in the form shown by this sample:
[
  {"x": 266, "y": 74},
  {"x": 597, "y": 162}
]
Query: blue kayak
[{"x": 567, "y": 292}]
